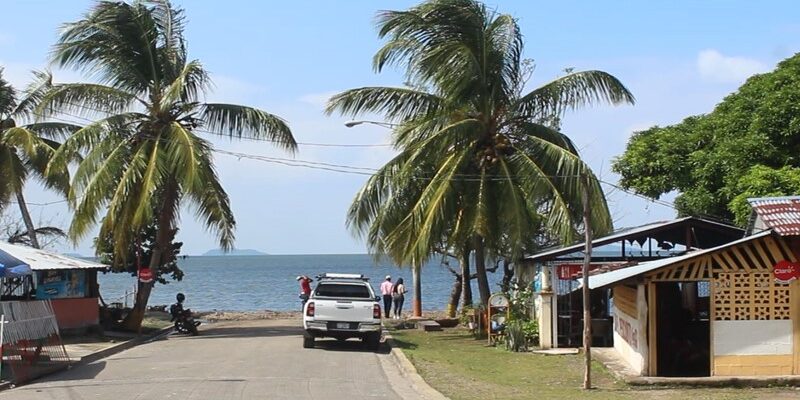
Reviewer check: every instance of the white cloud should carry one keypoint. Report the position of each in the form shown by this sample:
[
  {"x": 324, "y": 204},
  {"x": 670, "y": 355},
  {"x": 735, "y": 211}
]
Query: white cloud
[
  {"x": 718, "y": 67},
  {"x": 317, "y": 99}
]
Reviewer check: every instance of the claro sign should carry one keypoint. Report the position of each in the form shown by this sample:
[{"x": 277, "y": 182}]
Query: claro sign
[{"x": 786, "y": 271}]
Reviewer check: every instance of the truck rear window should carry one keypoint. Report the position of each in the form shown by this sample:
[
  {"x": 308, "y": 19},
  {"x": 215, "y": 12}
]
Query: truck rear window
[{"x": 343, "y": 290}]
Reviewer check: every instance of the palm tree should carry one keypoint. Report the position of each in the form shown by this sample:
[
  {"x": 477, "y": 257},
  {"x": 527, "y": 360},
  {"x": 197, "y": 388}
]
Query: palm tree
[
  {"x": 143, "y": 158},
  {"x": 26, "y": 149},
  {"x": 476, "y": 157}
]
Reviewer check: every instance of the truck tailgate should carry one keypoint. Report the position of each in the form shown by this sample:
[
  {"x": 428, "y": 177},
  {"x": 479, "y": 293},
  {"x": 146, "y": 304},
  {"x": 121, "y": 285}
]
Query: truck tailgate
[{"x": 343, "y": 310}]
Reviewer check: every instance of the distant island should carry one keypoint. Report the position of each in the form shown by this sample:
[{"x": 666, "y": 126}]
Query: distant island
[{"x": 234, "y": 252}]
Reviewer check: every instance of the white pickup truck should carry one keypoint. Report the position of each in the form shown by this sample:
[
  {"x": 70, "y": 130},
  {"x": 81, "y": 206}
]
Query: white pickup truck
[{"x": 342, "y": 306}]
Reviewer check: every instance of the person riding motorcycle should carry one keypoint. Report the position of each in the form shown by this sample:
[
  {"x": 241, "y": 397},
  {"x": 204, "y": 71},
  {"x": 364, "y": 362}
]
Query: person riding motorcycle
[{"x": 184, "y": 322}]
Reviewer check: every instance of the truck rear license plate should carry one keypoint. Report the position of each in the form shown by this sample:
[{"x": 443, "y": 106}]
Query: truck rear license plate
[{"x": 342, "y": 325}]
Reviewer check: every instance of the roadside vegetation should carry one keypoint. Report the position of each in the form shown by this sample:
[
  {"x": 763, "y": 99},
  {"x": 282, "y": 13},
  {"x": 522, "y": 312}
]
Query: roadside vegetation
[{"x": 463, "y": 368}]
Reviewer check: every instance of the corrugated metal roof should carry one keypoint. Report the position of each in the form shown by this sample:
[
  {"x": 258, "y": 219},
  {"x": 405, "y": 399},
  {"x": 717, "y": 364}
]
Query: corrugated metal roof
[
  {"x": 624, "y": 233},
  {"x": 611, "y": 277},
  {"x": 40, "y": 260},
  {"x": 782, "y": 214}
]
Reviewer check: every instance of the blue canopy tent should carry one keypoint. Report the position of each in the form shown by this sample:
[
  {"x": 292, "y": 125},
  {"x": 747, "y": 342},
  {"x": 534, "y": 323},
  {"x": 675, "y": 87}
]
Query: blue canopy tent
[{"x": 12, "y": 267}]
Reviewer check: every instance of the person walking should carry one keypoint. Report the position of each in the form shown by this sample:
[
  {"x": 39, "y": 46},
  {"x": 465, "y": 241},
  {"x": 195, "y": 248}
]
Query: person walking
[
  {"x": 398, "y": 297},
  {"x": 386, "y": 291}
]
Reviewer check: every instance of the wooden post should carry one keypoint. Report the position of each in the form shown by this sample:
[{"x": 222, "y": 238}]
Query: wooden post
[{"x": 587, "y": 257}]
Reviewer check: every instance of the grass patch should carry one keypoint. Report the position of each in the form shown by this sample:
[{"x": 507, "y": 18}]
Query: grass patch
[{"x": 463, "y": 368}]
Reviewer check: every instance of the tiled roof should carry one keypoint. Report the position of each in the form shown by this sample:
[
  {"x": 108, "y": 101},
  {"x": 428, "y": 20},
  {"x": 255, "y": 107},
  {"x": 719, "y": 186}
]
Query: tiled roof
[{"x": 782, "y": 214}]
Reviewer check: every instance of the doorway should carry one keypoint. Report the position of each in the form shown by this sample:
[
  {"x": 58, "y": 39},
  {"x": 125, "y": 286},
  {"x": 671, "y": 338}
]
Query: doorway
[{"x": 683, "y": 329}]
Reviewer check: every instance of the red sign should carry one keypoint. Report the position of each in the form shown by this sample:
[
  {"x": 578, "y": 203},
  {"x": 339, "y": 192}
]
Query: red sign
[
  {"x": 786, "y": 271},
  {"x": 145, "y": 275},
  {"x": 568, "y": 271}
]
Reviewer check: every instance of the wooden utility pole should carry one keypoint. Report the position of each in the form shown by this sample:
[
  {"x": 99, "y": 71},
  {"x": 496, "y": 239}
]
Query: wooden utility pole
[{"x": 587, "y": 258}]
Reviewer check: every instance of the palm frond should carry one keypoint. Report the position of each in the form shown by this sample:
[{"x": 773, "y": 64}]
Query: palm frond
[
  {"x": 115, "y": 42},
  {"x": 397, "y": 104},
  {"x": 84, "y": 99},
  {"x": 573, "y": 91},
  {"x": 191, "y": 81},
  {"x": 247, "y": 122}
]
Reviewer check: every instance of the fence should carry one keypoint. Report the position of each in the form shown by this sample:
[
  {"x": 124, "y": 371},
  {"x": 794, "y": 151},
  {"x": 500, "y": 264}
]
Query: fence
[{"x": 31, "y": 344}]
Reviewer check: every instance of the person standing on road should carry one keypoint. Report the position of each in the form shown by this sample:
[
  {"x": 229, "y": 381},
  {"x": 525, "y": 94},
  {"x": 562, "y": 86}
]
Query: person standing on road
[
  {"x": 305, "y": 288},
  {"x": 386, "y": 291},
  {"x": 398, "y": 296}
]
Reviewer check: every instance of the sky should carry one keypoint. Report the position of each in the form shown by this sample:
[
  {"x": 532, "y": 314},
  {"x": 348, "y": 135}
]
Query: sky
[{"x": 679, "y": 58}]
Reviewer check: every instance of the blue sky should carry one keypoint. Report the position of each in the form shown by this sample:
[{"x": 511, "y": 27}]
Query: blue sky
[{"x": 679, "y": 58}]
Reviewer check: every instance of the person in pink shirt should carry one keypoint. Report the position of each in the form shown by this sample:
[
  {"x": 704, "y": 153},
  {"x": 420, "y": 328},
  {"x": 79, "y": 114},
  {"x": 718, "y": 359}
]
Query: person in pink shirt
[{"x": 386, "y": 291}]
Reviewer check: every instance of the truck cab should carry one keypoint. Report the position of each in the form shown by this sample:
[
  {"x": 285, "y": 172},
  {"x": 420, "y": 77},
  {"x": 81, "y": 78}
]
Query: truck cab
[{"x": 342, "y": 306}]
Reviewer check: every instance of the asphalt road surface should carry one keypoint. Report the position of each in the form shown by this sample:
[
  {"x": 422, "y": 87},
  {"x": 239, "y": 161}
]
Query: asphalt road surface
[{"x": 231, "y": 360}]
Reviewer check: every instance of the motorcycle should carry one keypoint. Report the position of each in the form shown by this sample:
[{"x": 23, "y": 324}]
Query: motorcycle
[{"x": 183, "y": 319}]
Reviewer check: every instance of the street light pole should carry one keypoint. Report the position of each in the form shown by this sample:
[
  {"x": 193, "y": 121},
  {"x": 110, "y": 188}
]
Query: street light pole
[
  {"x": 387, "y": 125},
  {"x": 416, "y": 305}
]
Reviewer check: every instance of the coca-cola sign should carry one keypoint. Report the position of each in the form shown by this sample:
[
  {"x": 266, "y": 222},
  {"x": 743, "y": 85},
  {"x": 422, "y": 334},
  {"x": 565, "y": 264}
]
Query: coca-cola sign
[
  {"x": 786, "y": 271},
  {"x": 145, "y": 275}
]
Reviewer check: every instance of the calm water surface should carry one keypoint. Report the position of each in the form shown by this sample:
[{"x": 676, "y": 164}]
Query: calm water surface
[{"x": 251, "y": 283}]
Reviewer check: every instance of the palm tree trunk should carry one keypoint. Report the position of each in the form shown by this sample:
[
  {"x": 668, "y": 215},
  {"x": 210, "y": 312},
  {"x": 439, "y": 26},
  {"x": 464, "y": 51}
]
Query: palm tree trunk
[
  {"x": 26, "y": 216},
  {"x": 480, "y": 270},
  {"x": 133, "y": 321},
  {"x": 417, "y": 306},
  {"x": 466, "y": 280},
  {"x": 455, "y": 296}
]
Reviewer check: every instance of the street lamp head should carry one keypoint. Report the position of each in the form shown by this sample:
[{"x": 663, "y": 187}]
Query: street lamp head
[{"x": 387, "y": 125}]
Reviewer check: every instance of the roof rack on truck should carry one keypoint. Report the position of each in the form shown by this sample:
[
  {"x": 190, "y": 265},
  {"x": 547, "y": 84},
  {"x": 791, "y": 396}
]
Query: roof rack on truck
[{"x": 329, "y": 275}]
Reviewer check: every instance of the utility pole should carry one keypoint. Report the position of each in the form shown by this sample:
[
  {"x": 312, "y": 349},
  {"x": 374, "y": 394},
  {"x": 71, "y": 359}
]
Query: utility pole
[{"x": 587, "y": 257}]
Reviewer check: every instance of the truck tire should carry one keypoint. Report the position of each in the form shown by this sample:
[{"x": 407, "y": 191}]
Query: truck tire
[
  {"x": 372, "y": 341},
  {"x": 308, "y": 342}
]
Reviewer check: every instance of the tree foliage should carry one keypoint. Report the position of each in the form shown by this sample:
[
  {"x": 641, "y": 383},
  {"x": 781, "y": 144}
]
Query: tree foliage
[
  {"x": 475, "y": 166},
  {"x": 748, "y": 146},
  {"x": 143, "y": 159},
  {"x": 139, "y": 252}
]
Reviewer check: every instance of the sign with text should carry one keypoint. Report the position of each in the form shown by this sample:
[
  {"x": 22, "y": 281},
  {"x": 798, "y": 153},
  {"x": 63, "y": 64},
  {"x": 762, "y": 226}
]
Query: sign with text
[
  {"x": 60, "y": 284},
  {"x": 786, "y": 271}
]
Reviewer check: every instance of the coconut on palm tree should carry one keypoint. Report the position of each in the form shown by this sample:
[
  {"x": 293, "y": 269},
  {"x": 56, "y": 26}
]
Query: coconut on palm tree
[
  {"x": 143, "y": 158},
  {"x": 477, "y": 161},
  {"x": 26, "y": 147}
]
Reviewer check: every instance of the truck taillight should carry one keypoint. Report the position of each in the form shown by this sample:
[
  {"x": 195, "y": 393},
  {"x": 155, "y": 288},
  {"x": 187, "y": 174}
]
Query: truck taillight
[
  {"x": 376, "y": 311},
  {"x": 310, "y": 309}
]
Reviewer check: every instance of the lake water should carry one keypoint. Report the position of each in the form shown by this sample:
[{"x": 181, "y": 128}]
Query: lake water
[{"x": 252, "y": 283}]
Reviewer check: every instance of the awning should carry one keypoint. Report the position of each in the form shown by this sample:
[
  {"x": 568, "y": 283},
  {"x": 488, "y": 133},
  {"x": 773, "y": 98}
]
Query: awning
[
  {"x": 612, "y": 277},
  {"x": 40, "y": 260}
]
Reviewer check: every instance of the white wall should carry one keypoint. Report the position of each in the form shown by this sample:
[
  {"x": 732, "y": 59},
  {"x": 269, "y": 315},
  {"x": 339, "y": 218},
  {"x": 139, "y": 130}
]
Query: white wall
[
  {"x": 628, "y": 340},
  {"x": 752, "y": 337}
]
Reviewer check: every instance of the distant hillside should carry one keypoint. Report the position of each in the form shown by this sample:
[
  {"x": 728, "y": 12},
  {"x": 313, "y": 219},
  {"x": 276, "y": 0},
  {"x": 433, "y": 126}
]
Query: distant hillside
[{"x": 234, "y": 252}]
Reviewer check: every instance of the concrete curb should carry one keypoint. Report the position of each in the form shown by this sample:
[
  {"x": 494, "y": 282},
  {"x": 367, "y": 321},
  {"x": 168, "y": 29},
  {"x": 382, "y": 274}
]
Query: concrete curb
[
  {"x": 109, "y": 351},
  {"x": 408, "y": 370}
]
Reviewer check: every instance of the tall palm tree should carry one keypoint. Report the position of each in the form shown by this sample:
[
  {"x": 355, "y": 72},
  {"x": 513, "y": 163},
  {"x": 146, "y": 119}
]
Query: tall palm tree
[
  {"x": 143, "y": 158},
  {"x": 25, "y": 149},
  {"x": 476, "y": 162}
]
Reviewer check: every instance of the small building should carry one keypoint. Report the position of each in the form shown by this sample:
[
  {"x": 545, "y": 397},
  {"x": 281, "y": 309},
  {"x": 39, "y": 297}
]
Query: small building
[
  {"x": 730, "y": 310},
  {"x": 69, "y": 283},
  {"x": 560, "y": 304}
]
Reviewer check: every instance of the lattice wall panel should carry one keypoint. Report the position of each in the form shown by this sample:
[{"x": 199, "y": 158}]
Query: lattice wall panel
[{"x": 750, "y": 296}]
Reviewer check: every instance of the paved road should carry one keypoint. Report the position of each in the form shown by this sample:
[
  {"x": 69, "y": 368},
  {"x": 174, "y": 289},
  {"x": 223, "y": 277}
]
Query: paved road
[{"x": 241, "y": 360}]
